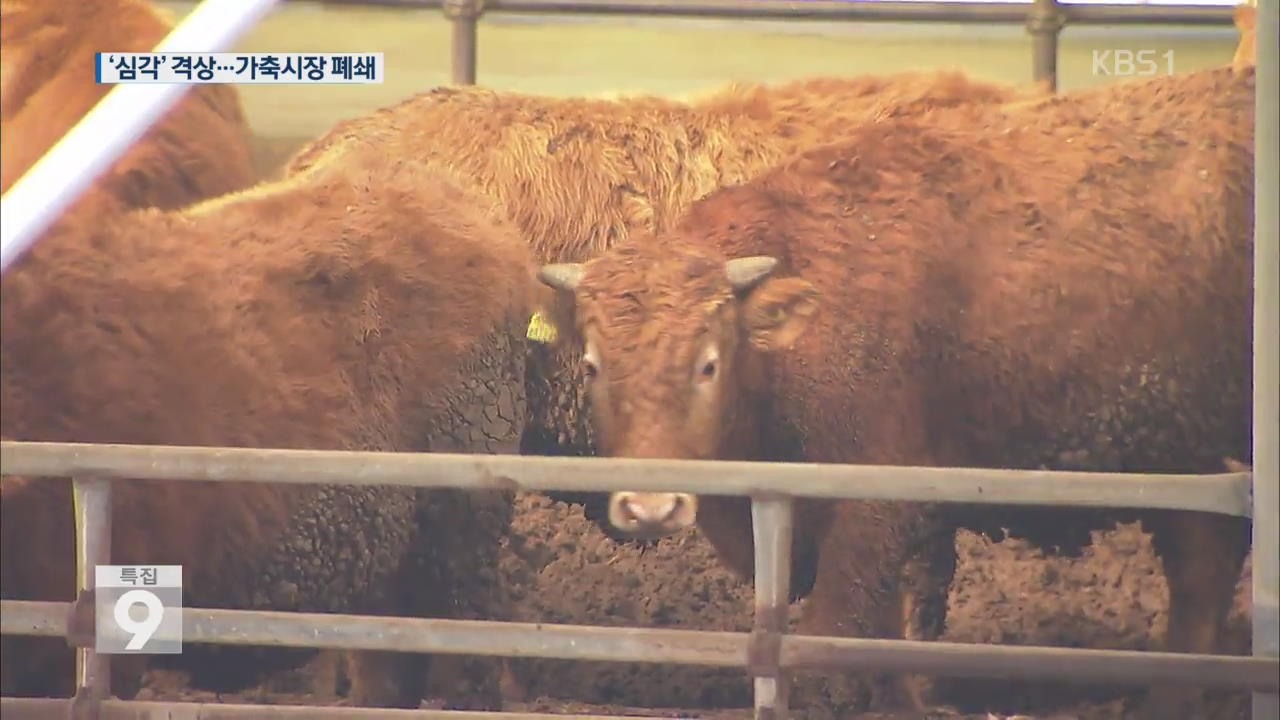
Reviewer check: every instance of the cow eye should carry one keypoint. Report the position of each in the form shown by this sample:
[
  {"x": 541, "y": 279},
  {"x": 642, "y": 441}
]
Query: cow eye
[
  {"x": 708, "y": 364},
  {"x": 589, "y": 368}
]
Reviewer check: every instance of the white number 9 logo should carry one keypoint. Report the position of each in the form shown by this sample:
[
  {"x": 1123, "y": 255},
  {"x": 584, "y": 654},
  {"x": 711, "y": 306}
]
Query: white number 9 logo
[{"x": 144, "y": 629}]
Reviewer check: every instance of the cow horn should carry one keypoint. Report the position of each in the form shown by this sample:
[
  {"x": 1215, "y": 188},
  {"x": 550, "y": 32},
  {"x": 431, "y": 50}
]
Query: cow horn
[
  {"x": 745, "y": 272},
  {"x": 562, "y": 276}
]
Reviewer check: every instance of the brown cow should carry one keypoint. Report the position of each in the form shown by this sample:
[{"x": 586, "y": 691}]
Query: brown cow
[
  {"x": 580, "y": 175},
  {"x": 199, "y": 149},
  {"x": 1067, "y": 287},
  {"x": 367, "y": 305}
]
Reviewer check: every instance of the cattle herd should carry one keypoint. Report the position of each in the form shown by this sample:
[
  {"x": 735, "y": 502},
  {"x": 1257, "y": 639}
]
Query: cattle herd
[{"x": 915, "y": 269}]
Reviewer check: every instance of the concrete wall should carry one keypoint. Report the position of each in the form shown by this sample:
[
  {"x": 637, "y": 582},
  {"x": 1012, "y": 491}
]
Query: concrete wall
[{"x": 596, "y": 55}]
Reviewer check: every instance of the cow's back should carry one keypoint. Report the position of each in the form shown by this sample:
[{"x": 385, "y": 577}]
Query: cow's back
[
  {"x": 580, "y": 175},
  {"x": 1064, "y": 285},
  {"x": 1111, "y": 295}
]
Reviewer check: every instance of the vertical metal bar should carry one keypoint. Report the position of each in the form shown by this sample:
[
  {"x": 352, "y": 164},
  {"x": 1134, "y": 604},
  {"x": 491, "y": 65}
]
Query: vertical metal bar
[
  {"x": 1266, "y": 337},
  {"x": 1044, "y": 22},
  {"x": 464, "y": 16},
  {"x": 772, "y": 519},
  {"x": 92, "y": 502}
]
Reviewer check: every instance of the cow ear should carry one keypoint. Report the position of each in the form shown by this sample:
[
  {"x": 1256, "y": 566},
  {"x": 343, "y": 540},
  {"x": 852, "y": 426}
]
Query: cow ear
[
  {"x": 777, "y": 312},
  {"x": 553, "y": 320}
]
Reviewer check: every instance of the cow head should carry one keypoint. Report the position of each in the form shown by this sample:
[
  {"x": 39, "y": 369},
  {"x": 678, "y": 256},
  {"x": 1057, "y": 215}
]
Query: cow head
[{"x": 672, "y": 345}]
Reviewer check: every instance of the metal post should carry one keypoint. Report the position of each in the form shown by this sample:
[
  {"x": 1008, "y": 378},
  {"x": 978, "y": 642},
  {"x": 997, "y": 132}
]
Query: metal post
[
  {"x": 772, "y": 522},
  {"x": 464, "y": 15},
  {"x": 1266, "y": 380},
  {"x": 1044, "y": 21},
  {"x": 92, "y": 502}
]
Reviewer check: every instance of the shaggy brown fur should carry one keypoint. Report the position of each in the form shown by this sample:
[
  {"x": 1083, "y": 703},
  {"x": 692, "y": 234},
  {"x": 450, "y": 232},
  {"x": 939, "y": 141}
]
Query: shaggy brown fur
[
  {"x": 369, "y": 304},
  {"x": 200, "y": 149},
  {"x": 1063, "y": 288},
  {"x": 578, "y": 176}
]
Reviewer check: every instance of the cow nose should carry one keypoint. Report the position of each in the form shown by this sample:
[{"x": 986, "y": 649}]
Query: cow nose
[{"x": 652, "y": 514}]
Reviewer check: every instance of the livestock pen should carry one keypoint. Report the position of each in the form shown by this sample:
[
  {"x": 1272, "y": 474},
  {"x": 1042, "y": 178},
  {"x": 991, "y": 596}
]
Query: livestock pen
[{"x": 767, "y": 650}]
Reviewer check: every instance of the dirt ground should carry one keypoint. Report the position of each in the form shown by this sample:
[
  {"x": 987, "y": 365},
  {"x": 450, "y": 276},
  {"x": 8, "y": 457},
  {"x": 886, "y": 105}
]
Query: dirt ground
[{"x": 561, "y": 568}]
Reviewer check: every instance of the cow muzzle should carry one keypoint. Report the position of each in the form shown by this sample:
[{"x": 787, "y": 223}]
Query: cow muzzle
[{"x": 652, "y": 515}]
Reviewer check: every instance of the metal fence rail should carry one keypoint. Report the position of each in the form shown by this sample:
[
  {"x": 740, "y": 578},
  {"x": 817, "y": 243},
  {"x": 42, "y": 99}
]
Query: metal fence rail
[
  {"x": 765, "y": 652},
  {"x": 683, "y": 647},
  {"x": 28, "y": 709},
  {"x": 1225, "y": 493},
  {"x": 1266, "y": 340},
  {"x": 1044, "y": 19}
]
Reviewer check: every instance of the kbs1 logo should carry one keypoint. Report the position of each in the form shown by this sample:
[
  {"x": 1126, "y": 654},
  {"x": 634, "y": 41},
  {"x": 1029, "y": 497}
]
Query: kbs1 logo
[
  {"x": 138, "y": 609},
  {"x": 1131, "y": 63}
]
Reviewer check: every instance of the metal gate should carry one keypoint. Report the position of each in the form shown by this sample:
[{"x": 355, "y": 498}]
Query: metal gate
[{"x": 765, "y": 652}]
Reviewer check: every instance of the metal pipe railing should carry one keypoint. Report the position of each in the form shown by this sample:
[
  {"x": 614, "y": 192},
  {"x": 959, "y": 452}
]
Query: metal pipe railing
[
  {"x": 91, "y": 500},
  {"x": 1266, "y": 357},
  {"x": 772, "y": 519},
  {"x": 1044, "y": 23},
  {"x": 50, "y": 709},
  {"x": 1225, "y": 493},
  {"x": 702, "y": 648},
  {"x": 463, "y": 15},
  {"x": 886, "y": 10},
  {"x": 766, "y": 652}
]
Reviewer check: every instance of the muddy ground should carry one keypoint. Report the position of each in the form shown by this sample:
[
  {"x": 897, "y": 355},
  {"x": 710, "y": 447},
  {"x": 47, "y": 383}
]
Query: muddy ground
[{"x": 561, "y": 568}]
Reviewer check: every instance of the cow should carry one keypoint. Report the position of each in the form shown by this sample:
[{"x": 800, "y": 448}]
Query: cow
[
  {"x": 366, "y": 304},
  {"x": 199, "y": 149},
  {"x": 1062, "y": 287},
  {"x": 580, "y": 175}
]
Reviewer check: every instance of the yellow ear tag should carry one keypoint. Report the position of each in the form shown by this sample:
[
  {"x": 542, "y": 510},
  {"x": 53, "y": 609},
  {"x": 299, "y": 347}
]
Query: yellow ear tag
[{"x": 540, "y": 329}]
